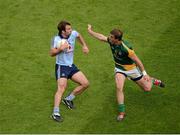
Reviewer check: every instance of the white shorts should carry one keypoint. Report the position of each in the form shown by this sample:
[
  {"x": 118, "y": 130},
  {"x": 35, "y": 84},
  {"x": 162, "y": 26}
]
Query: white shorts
[{"x": 134, "y": 74}]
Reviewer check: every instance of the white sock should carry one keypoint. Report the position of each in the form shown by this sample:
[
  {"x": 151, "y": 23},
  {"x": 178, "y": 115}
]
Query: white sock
[
  {"x": 56, "y": 110},
  {"x": 70, "y": 97}
]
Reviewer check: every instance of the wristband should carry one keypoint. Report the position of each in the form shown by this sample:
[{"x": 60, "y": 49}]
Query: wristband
[{"x": 144, "y": 73}]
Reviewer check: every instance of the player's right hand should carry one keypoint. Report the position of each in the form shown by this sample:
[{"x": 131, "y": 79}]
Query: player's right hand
[{"x": 64, "y": 47}]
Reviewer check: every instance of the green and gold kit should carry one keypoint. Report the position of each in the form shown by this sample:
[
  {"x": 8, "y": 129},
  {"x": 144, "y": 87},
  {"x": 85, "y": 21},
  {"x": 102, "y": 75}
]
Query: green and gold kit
[{"x": 121, "y": 54}]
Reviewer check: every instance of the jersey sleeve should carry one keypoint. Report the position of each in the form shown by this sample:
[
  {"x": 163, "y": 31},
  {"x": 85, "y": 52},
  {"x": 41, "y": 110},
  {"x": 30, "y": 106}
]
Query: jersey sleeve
[
  {"x": 75, "y": 33},
  {"x": 54, "y": 42},
  {"x": 109, "y": 41},
  {"x": 129, "y": 49},
  {"x": 130, "y": 52}
]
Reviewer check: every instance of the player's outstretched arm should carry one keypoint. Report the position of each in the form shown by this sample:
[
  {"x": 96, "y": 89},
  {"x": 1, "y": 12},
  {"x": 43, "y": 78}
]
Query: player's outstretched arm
[{"x": 98, "y": 36}]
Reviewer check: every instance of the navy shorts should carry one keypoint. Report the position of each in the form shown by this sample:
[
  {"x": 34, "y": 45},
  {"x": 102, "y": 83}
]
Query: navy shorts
[{"x": 65, "y": 71}]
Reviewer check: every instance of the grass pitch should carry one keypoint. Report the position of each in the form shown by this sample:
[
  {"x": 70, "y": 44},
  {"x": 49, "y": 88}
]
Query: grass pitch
[{"x": 27, "y": 82}]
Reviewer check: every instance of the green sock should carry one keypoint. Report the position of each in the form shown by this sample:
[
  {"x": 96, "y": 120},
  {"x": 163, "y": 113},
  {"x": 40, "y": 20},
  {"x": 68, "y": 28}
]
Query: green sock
[
  {"x": 153, "y": 81},
  {"x": 121, "y": 108},
  {"x": 146, "y": 92}
]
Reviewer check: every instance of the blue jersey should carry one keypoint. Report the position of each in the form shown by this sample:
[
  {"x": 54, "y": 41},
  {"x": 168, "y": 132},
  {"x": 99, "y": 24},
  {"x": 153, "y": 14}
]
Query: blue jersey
[{"x": 65, "y": 57}]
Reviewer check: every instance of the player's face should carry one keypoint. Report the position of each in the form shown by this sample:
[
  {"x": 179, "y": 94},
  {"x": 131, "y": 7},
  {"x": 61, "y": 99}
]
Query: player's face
[
  {"x": 68, "y": 30},
  {"x": 112, "y": 39}
]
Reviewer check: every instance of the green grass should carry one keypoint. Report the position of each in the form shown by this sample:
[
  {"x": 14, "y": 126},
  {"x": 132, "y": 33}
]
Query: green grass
[{"x": 27, "y": 82}]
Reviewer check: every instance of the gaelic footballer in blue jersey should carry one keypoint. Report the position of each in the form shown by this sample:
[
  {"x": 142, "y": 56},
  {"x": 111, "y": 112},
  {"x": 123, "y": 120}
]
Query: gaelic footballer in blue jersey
[
  {"x": 127, "y": 64},
  {"x": 65, "y": 68}
]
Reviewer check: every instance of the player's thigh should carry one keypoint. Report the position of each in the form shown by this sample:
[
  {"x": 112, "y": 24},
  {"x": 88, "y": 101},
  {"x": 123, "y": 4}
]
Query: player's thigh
[
  {"x": 119, "y": 79},
  {"x": 80, "y": 78}
]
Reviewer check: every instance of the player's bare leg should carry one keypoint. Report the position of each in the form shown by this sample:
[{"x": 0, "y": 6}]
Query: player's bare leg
[
  {"x": 80, "y": 79},
  {"x": 120, "y": 79},
  {"x": 62, "y": 84},
  {"x": 147, "y": 85}
]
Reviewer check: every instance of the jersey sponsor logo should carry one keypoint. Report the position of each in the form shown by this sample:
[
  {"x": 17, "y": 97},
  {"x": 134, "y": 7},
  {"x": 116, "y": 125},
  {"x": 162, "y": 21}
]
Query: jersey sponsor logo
[
  {"x": 119, "y": 53},
  {"x": 70, "y": 49}
]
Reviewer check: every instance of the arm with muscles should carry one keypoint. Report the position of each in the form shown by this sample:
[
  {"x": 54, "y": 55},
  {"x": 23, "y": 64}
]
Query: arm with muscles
[
  {"x": 138, "y": 62},
  {"x": 83, "y": 43},
  {"x": 96, "y": 35},
  {"x": 55, "y": 51}
]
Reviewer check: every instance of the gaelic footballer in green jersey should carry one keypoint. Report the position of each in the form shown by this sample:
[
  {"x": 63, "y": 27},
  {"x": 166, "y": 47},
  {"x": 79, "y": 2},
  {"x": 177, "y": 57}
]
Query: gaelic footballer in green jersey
[
  {"x": 123, "y": 63},
  {"x": 127, "y": 64},
  {"x": 121, "y": 55}
]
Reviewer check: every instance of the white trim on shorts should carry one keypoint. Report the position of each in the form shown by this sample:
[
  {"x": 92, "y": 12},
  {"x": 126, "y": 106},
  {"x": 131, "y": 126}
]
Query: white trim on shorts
[{"x": 58, "y": 72}]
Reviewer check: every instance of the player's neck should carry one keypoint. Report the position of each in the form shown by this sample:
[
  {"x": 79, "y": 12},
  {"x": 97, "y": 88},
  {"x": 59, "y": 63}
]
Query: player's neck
[
  {"x": 118, "y": 43},
  {"x": 64, "y": 36}
]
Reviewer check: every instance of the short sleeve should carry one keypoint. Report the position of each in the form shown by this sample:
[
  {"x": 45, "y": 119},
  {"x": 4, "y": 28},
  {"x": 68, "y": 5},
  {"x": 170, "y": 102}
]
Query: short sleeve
[
  {"x": 75, "y": 33},
  {"x": 130, "y": 52},
  {"x": 54, "y": 42},
  {"x": 109, "y": 41}
]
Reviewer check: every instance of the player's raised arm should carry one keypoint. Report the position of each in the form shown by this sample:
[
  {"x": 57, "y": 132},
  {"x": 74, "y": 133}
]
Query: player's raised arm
[{"x": 98, "y": 36}]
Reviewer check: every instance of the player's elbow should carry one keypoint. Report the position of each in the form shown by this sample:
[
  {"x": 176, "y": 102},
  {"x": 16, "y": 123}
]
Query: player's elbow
[
  {"x": 102, "y": 38},
  {"x": 51, "y": 54}
]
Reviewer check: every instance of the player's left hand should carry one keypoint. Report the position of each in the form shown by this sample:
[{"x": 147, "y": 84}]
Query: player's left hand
[
  {"x": 85, "y": 49},
  {"x": 89, "y": 27}
]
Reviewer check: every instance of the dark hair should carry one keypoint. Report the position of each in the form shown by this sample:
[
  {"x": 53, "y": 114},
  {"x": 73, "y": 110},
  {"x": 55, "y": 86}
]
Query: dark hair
[
  {"x": 62, "y": 26},
  {"x": 117, "y": 34}
]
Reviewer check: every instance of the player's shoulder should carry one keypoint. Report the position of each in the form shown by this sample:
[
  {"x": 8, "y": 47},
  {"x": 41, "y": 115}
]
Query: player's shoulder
[
  {"x": 128, "y": 44},
  {"x": 74, "y": 32},
  {"x": 56, "y": 38}
]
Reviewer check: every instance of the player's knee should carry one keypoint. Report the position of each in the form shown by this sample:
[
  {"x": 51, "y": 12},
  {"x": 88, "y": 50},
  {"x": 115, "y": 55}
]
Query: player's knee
[
  {"x": 85, "y": 84},
  {"x": 119, "y": 89},
  {"x": 61, "y": 87}
]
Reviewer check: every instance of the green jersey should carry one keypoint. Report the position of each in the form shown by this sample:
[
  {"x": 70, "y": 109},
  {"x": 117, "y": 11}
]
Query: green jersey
[{"x": 121, "y": 54}]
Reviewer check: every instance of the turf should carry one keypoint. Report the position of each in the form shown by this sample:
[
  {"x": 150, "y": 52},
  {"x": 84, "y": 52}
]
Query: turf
[{"x": 27, "y": 82}]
